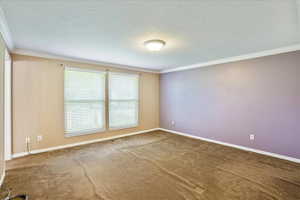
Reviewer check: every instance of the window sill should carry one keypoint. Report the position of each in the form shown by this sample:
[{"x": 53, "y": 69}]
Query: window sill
[
  {"x": 84, "y": 132},
  {"x": 124, "y": 127}
]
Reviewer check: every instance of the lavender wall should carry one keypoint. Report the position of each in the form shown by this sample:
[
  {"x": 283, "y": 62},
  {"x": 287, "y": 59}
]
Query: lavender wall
[{"x": 228, "y": 102}]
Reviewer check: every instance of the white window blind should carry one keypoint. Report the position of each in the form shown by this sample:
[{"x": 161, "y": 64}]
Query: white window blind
[
  {"x": 123, "y": 100},
  {"x": 84, "y": 101}
]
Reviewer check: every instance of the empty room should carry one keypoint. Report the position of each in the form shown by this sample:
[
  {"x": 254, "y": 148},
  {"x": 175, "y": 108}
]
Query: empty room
[{"x": 150, "y": 99}]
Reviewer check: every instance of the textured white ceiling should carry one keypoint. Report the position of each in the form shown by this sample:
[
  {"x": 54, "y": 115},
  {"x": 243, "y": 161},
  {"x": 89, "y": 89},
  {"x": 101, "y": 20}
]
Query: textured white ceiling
[{"x": 114, "y": 31}]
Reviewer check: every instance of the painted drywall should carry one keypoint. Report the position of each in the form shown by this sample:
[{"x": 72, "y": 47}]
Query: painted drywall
[
  {"x": 38, "y": 101},
  {"x": 2, "y": 62},
  {"x": 228, "y": 102}
]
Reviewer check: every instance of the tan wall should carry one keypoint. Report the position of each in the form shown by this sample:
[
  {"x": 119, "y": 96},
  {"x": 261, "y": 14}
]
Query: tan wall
[
  {"x": 38, "y": 101},
  {"x": 2, "y": 61}
]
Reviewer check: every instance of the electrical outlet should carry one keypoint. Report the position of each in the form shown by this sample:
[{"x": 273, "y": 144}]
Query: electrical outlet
[
  {"x": 173, "y": 123},
  {"x": 251, "y": 136},
  {"x": 39, "y": 138}
]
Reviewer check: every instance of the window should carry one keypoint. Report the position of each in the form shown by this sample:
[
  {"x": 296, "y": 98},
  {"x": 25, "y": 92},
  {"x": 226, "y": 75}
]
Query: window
[
  {"x": 123, "y": 100},
  {"x": 84, "y": 101},
  {"x": 85, "y": 107}
]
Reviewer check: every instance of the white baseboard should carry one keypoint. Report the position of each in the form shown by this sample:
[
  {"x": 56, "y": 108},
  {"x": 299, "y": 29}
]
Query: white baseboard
[
  {"x": 17, "y": 155},
  {"x": 296, "y": 160},
  {"x": 2, "y": 177}
]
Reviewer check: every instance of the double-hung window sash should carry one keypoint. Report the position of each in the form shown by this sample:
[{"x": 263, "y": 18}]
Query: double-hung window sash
[
  {"x": 84, "y": 101},
  {"x": 123, "y": 100}
]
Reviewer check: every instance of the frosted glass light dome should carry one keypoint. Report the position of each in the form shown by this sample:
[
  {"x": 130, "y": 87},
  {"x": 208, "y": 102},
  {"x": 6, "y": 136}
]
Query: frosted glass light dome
[{"x": 154, "y": 45}]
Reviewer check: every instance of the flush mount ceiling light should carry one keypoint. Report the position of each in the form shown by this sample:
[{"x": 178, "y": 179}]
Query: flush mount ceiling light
[{"x": 154, "y": 45}]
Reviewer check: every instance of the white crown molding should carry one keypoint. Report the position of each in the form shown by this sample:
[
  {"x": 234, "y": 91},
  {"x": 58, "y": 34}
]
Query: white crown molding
[
  {"x": 27, "y": 52},
  {"x": 296, "y": 160},
  {"x": 236, "y": 58},
  {"x": 36, "y": 151},
  {"x": 182, "y": 68},
  {"x": 4, "y": 30}
]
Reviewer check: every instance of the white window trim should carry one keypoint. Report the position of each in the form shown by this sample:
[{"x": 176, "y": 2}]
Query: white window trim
[
  {"x": 84, "y": 132},
  {"x": 7, "y": 106},
  {"x": 87, "y": 131},
  {"x": 123, "y": 127},
  {"x": 79, "y": 69},
  {"x": 138, "y": 101}
]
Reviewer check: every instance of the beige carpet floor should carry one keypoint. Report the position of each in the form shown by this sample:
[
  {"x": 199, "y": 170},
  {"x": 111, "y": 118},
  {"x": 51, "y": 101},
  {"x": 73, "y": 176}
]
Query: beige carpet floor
[{"x": 153, "y": 166}]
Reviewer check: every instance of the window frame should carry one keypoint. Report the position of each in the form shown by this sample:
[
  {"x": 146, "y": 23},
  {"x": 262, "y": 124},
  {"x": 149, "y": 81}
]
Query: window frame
[
  {"x": 137, "y": 101},
  {"x": 104, "y": 101}
]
